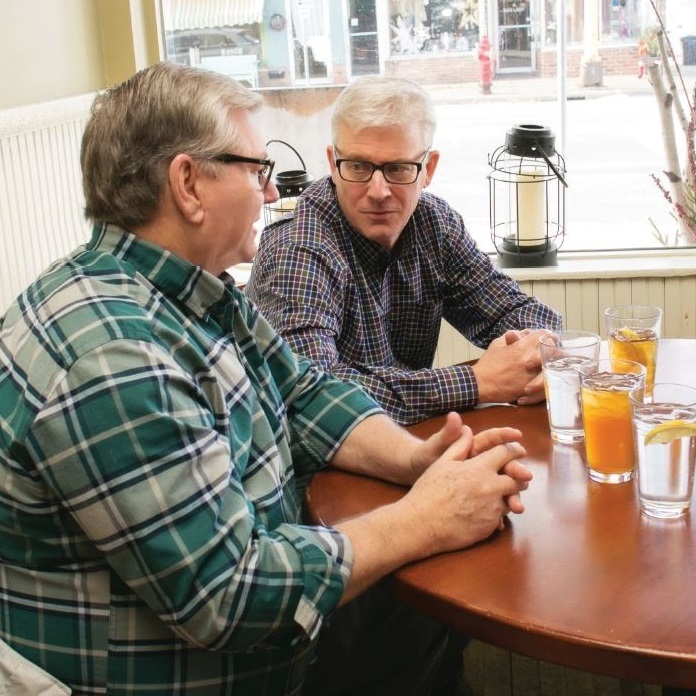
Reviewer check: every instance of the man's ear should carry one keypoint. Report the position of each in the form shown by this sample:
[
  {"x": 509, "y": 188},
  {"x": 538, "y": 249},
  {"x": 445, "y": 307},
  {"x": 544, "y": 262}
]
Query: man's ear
[
  {"x": 431, "y": 166},
  {"x": 184, "y": 176},
  {"x": 331, "y": 157}
]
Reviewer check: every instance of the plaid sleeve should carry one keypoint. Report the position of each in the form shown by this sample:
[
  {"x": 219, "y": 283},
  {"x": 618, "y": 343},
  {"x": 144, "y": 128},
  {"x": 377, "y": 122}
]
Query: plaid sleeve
[
  {"x": 134, "y": 452},
  {"x": 410, "y": 396}
]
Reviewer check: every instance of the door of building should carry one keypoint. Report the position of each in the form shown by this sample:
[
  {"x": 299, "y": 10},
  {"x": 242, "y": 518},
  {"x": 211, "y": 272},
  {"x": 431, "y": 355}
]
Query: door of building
[
  {"x": 515, "y": 39},
  {"x": 362, "y": 37},
  {"x": 311, "y": 43}
]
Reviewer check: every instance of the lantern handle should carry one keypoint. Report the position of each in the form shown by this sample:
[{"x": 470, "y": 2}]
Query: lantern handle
[
  {"x": 558, "y": 174},
  {"x": 282, "y": 142}
]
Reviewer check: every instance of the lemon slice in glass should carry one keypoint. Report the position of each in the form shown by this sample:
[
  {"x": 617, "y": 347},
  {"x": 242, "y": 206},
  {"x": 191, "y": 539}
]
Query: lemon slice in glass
[
  {"x": 629, "y": 334},
  {"x": 671, "y": 430}
]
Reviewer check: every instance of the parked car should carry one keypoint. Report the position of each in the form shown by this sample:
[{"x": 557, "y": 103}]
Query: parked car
[{"x": 218, "y": 41}]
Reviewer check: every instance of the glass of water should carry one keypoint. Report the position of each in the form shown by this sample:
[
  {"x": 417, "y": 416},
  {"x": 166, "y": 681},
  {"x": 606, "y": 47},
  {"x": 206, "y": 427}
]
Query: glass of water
[
  {"x": 562, "y": 354},
  {"x": 665, "y": 437}
]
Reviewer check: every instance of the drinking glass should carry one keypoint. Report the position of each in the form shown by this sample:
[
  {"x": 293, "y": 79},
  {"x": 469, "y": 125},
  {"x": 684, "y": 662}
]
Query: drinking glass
[
  {"x": 605, "y": 386},
  {"x": 561, "y": 356},
  {"x": 665, "y": 438},
  {"x": 633, "y": 332}
]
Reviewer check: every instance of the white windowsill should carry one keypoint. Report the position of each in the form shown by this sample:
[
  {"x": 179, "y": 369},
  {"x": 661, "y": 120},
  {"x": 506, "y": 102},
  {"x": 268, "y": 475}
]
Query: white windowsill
[
  {"x": 584, "y": 264},
  {"x": 613, "y": 264}
]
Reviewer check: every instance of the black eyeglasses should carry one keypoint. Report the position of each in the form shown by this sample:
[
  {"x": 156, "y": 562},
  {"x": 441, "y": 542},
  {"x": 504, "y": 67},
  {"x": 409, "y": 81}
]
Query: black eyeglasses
[
  {"x": 264, "y": 173},
  {"x": 360, "y": 172}
]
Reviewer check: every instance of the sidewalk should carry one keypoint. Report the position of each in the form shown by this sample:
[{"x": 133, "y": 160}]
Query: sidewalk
[{"x": 530, "y": 88}]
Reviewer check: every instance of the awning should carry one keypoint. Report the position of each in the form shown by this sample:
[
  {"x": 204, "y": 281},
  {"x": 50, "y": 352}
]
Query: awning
[{"x": 203, "y": 14}]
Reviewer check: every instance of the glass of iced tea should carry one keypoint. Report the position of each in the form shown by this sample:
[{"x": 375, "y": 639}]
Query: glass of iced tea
[
  {"x": 633, "y": 332},
  {"x": 605, "y": 388}
]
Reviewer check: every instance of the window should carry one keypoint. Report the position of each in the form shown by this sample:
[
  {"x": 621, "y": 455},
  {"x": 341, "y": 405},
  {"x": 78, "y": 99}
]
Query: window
[
  {"x": 217, "y": 36},
  {"x": 620, "y": 19},
  {"x": 310, "y": 40},
  {"x": 608, "y": 130}
]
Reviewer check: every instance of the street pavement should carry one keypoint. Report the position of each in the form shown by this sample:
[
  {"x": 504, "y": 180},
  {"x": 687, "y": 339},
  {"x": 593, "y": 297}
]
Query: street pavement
[
  {"x": 523, "y": 87},
  {"x": 612, "y": 147}
]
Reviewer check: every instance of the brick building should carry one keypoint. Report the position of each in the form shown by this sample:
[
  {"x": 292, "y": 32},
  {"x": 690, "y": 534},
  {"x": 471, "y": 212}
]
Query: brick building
[{"x": 302, "y": 43}]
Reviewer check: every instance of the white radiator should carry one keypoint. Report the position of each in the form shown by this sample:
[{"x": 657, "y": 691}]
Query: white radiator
[
  {"x": 582, "y": 303},
  {"x": 40, "y": 189}
]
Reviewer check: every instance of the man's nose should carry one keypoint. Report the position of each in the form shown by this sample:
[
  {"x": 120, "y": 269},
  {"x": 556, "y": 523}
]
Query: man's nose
[
  {"x": 271, "y": 193},
  {"x": 378, "y": 186}
]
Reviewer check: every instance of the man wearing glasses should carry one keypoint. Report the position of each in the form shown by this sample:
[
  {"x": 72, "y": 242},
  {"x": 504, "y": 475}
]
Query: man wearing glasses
[
  {"x": 156, "y": 432},
  {"x": 362, "y": 275}
]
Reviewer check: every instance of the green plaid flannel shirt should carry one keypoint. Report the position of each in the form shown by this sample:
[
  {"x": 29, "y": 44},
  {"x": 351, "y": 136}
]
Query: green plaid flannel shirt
[{"x": 155, "y": 433}]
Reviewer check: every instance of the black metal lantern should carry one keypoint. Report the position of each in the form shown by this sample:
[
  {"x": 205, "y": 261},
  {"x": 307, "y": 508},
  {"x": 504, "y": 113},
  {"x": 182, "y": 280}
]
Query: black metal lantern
[
  {"x": 290, "y": 184},
  {"x": 527, "y": 198}
]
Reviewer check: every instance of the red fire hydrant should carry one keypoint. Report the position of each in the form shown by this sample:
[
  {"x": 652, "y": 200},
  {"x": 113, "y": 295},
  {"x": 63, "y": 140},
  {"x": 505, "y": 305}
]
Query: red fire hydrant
[{"x": 485, "y": 66}]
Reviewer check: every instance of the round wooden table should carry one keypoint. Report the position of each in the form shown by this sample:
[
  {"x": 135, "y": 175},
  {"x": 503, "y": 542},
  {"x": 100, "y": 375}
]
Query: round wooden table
[{"x": 581, "y": 578}]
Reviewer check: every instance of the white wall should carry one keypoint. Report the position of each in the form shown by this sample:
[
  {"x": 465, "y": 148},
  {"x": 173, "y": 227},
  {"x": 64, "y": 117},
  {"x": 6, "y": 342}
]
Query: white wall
[
  {"x": 48, "y": 50},
  {"x": 582, "y": 302},
  {"x": 51, "y": 49}
]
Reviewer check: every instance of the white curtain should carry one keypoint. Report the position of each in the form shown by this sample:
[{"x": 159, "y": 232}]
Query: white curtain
[{"x": 308, "y": 20}]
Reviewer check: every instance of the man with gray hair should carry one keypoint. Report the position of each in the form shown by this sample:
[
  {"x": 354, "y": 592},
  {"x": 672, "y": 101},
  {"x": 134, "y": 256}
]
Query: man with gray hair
[
  {"x": 155, "y": 432},
  {"x": 360, "y": 278}
]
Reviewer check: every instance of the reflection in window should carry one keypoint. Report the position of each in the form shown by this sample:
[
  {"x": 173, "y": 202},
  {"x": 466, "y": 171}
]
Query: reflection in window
[
  {"x": 311, "y": 42},
  {"x": 195, "y": 30},
  {"x": 362, "y": 37},
  {"x": 548, "y": 22},
  {"x": 514, "y": 35},
  {"x": 431, "y": 27},
  {"x": 619, "y": 19}
]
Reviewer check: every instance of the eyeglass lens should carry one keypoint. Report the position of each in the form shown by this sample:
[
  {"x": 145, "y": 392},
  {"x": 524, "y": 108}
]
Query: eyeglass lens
[
  {"x": 265, "y": 176},
  {"x": 393, "y": 172}
]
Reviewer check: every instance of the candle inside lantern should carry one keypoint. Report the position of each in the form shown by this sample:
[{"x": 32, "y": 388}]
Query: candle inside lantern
[
  {"x": 531, "y": 208},
  {"x": 284, "y": 207}
]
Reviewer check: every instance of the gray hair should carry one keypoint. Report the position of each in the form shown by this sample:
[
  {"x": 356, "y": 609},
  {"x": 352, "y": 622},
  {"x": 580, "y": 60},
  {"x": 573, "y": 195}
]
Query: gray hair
[
  {"x": 136, "y": 128},
  {"x": 374, "y": 101}
]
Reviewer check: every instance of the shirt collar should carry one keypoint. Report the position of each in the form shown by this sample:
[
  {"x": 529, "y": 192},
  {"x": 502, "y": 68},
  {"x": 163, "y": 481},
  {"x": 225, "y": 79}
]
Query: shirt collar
[
  {"x": 370, "y": 252},
  {"x": 367, "y": 250},
  {"x": 170, "y": 274}
]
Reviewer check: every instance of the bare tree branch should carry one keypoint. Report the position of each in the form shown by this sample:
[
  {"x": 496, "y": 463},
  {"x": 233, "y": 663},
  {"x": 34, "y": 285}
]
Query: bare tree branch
[
  {"x": 681, "y": 191},
  {"x": 670, "y": 53},
  {"x": 665, "y": 101},
  {"x": 663, "y": 44}
]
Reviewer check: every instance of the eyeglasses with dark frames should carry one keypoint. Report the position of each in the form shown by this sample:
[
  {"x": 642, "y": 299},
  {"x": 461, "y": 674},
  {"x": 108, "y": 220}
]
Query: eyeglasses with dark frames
[
  {"x": 360, "y": 171},
  {"x": 264, "y": 174}
]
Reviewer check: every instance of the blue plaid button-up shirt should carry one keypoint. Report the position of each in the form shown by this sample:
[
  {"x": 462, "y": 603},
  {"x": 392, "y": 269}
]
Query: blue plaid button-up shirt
[{"x": 366, "y": 314}]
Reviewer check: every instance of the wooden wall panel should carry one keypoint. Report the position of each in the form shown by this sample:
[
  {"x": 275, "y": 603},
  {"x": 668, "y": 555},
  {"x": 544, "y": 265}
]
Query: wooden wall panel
[{"x": 582, "y": 304}]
